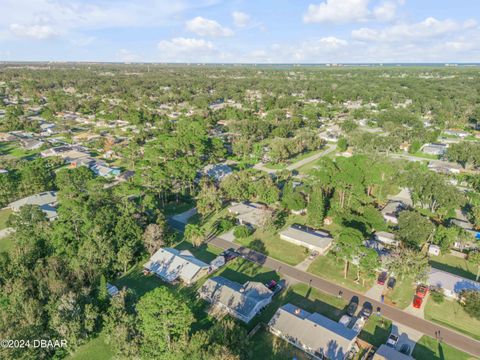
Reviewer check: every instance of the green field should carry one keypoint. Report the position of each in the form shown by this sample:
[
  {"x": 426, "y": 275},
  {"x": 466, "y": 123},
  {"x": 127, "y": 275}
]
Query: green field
[
  {"x": 331, "y": 268},
  {"x": 95, "y": 349},
  {"x": 6, "y": 243},
  {"x": 4, "y": 215},
  {"x": 454, "y": 265},
  {"x": 269, "y": 243},
  {"x": 403, "y": 292},
  {"x": 266, "y": 346},
  {"x": 376, "y": 330},
  {"x": 428, "y": 348},
  {"x": 451, "y": 314}
]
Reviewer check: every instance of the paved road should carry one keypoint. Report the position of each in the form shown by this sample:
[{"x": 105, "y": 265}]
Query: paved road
[
  {"x": 450, "y": 337},
  {"x": 296, "y": 165}
]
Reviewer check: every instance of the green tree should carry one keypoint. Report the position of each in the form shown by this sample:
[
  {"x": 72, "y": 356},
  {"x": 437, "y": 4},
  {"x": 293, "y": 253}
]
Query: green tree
[
  {"x": 414, "y": 229},
  {"x": 195, "y": 233},
  {"x": 164, "y": 318},
  {"x": 471, "y": 303},
  {"x": 474, "y": 258}
]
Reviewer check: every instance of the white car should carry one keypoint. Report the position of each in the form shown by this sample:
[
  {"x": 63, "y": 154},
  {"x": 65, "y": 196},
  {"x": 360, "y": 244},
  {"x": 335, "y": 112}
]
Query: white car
[
  {"x": 345, "y": 320},
  {"x": 392, "y": 340}
]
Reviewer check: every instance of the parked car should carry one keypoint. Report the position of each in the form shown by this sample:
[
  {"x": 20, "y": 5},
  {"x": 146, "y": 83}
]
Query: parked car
[
  {"x": 382, "y": 278},
  {"x": 313, "y": 255},
  {"x": 352, "y": 307},
  {"x": 367, "y": 310},
  {"x": 392, "y": 340},
  {"x": 230, "y": 254},
  {"x": 275, "y": 286},
  {"x": 391, "y": 282},
  {"x": 417, "y": 302},
  {"x": 422, "y": 291}
]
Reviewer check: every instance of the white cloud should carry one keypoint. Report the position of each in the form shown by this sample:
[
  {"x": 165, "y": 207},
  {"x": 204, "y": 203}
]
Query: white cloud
[
  {"x": 39, "y": 32},
  {"x": 206, "y": 27},
  {"x": 240, "y": 19},
  {"x": 337, "y": 11},
  {"x": 182, "y": 49},
  {"x": 385, "y": 11},
  {"x": 426, "y": 29}
]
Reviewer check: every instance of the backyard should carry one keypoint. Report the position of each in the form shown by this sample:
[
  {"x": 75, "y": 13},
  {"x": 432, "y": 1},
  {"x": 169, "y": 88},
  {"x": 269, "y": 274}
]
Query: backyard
[
  {"x": 455, "y": 265},
  {"x": 4, "y": 215},
  {"x": 331, "y": 268},
  {"x": 451, "y": 314},
  {"x": 428, "y": 348}
]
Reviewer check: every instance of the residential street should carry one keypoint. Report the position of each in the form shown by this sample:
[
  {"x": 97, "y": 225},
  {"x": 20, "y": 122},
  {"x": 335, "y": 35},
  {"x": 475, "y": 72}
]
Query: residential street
[{"x": 450, "y": 337}]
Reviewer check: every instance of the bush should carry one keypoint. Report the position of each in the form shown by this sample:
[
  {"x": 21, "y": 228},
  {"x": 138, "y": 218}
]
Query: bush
[
  {"x": 437, "y": 296},
  {"x": 242, "y": 231},
  {"x": 225, "y": 224}
]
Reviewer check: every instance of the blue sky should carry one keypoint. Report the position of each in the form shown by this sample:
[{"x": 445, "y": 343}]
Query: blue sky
[{"x": 269, "y": 31}]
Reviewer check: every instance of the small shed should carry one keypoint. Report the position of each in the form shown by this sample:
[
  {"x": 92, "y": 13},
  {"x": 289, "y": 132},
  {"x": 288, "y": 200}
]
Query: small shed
[{"x": 434, "y": 250}]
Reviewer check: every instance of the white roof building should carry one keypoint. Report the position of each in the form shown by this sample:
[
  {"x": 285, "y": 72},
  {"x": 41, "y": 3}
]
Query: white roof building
[
  {"x": 45, "y": 200},
  {"x": 249, "y": 213},
  {"x": 451, "y": 284},
  {"x": 172, "y": 265},
  {"x": 315, "y": 334},
  {"x": 386, "y": 238},
  {"x": 314, "y": 240}
]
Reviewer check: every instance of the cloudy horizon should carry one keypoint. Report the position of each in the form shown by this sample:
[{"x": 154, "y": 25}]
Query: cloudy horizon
[{"x": 214, "y": 31}]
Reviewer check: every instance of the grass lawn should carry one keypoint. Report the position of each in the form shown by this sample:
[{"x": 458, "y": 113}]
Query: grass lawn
[
  {"x": 269, "y": 347},
  {"x": 14, "y": 149},
  {"x": 451, "y": 314},
  {"x": 428, "y": 348},
  {"x": 95, "y": 349},
  {"x": 269, "y": 243},
  {"x": 454, "y": 265},
  {"x": 330, "y": 268},
  {"x": 376, "y": 330},
  {"x": 4, "y": 215},
  {"x": 403, "y": 292},
  {"x": 6, "y": 243},
  {"x": 205, "y": 252}
]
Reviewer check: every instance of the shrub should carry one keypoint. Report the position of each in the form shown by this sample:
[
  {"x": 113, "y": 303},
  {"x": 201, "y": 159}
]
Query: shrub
[
  {"x": 242, "y": 231},
  {"x": 225, "y": 224},
  {"x": 437, "y": 296}
]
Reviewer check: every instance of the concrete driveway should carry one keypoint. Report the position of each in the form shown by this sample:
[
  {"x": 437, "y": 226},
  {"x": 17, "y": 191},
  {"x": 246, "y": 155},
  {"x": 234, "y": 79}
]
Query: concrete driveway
[
  {"x": 417, "y": 312},
  {"x": 183, "y": 217},
  {"x": 228, "y": 236},
  {"x": 406, "y": 335},
  {"x": 375, "y": 292}
]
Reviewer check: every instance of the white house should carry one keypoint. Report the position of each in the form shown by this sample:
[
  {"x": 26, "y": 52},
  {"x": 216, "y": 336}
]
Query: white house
[
  {"x": 434, "y": 149},
  {"x": 385, "y": 352},
  {"x": 313, "y": 240},
  {"x": 386, "y": 238},
  {"x": 452, "y": 285},
  {"x": 313, "y": 333},
  {"x": 171, "y": 265},
  {"x": 444, "y": 167},
  {"x": 46, "y": 201},
  {"x": 391, "y": 210},
  {"x": 434, "y": 250},
  {"x": 249, "y": 213},
  {"x": 240, "y": 301}
]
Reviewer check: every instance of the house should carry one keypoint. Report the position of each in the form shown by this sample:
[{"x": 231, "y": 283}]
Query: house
[
  {"x": 171, "y": 265},
  {"x": 458, "y": 133},
  {"x": 218, "y": 172},
  {"x": 314, "y": 240},
  {"x": 313, "y": 333},
  {"x": 391, "y": 210},
  {"x": 31, "y": 144},
  {"x": 250, "y": 214},
  {"x": 240, "y": 301},
  {"x": 434, "y": 250},
  {"x": 46, "y": 201},
  {"x": 385, "y": 352},
  {"x": 103, "y": 170},
  {"x": 386, "y": 238},
  {"x": 126, "y": 175},
  {"x": 451, "y": 285},
  {"x": 112, "y": 289},
  {"x": 434, "y": 149},
  {"x": 445, "y": 167}
]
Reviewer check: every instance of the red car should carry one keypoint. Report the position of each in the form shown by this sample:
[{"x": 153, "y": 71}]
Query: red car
[
  {"x": 382, "y": 278},
  {"x": 422, "y": 291},
  {"x": 417, "y": 302}
]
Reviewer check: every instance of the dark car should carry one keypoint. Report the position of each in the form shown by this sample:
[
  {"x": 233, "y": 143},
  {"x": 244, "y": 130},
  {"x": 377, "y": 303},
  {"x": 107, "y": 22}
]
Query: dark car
[
  {"x": 352, "y": 307},
  {"x": 405, "y": 349},
  {"x": 382, "y": 278},
  {"x": 367, "y": 310},
  {"x": 230, "y": 254},
  {"x": 275, "y": 286},
  {"x": 391, "y": 283}
]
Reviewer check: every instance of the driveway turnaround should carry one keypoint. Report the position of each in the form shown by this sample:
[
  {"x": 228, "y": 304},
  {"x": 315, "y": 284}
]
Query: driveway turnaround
[{"x": 399, "y": 316}]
